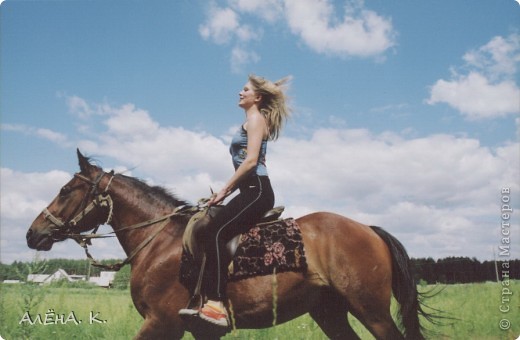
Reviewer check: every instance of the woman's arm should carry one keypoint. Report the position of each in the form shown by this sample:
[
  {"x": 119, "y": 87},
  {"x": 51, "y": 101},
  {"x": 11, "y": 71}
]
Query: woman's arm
[{"x": 256, "y": 131}]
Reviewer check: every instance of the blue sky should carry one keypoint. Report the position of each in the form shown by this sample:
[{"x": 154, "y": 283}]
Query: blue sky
[{"x": 406, "y": 114}]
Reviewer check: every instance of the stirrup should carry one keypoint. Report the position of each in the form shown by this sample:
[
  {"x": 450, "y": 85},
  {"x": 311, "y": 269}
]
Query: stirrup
[
  {"x": 194, "y": 306},
  {"x": 189, "y": 312}
]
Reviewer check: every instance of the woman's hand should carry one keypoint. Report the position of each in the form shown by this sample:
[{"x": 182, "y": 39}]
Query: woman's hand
[{"x": 218, "y": 198}]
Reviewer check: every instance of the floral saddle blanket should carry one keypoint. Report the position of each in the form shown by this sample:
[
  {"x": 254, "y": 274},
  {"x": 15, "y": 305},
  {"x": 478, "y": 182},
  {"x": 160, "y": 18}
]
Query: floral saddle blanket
[{"x": 267, "y": 248}]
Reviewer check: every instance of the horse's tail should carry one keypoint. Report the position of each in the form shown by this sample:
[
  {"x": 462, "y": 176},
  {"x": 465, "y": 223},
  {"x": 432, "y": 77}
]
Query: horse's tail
[{"x": 404, "y": 287}]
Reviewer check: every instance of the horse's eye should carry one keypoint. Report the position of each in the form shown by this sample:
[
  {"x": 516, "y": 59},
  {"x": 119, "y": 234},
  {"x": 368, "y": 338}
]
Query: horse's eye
[{"x": 65, "y": 191}]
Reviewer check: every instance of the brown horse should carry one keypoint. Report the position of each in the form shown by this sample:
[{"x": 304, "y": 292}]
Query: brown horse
[{"x": 352, "y": 268}]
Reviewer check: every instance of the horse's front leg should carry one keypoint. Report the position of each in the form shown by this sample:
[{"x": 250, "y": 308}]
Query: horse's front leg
[{"x": 153, "y": 328}]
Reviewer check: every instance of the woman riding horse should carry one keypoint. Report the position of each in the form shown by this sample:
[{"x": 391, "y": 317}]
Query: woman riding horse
[{"x": 264, "y": 104}]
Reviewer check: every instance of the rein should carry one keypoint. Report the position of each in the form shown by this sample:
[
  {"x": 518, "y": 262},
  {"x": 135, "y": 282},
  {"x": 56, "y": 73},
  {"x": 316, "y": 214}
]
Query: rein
[
  {"x": 104, "y": 200},
  {"x": 84, "y": 239}
]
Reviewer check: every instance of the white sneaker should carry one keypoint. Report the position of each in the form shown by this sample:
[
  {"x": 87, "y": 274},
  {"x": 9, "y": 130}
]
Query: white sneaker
[{"x": 215, "y": 313}]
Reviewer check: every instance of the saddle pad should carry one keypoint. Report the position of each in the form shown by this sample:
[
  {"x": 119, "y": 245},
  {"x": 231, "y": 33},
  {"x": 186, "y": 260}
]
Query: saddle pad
[{"x": 267, "y": 248}]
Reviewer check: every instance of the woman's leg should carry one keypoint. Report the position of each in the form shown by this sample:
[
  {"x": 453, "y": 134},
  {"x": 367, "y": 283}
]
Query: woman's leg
[
  {"x": 239, "y": 215},
  {"x": 255, "y": 198}
]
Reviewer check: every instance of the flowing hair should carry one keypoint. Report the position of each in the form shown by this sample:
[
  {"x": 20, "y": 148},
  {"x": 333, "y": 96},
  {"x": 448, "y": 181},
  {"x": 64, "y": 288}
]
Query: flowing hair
[{"x": 274, "y": 102}]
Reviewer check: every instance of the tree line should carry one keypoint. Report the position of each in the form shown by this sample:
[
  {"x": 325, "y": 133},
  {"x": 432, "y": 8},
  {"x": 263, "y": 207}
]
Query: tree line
[
  {"x": 427, "y": 270},
  {"x": 464, "y": 270},
  {"x": 19, "y": 270}
]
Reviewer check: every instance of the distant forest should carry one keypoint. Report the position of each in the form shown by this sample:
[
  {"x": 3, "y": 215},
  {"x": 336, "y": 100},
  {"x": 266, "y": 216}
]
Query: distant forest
[
  {"x": 448, "y": 270},
  {"x": 465, "y": 270}
]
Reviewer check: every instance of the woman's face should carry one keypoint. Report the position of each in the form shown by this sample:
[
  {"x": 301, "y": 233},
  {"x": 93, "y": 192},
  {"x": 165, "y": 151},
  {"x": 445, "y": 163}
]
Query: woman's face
[{"x": 248, "y": 97}]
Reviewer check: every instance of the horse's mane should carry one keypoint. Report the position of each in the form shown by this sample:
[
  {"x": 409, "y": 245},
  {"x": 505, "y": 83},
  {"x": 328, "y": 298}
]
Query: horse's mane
[{"x": 156, "y": 192}]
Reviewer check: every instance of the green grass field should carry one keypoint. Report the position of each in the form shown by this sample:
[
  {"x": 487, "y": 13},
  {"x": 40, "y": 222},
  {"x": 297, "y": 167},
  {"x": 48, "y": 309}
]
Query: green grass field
[{"x": 82, "y": 313}]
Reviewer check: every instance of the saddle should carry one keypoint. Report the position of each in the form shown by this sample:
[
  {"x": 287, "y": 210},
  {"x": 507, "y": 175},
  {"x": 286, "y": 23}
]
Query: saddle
[{"x": 192, "y": 238}]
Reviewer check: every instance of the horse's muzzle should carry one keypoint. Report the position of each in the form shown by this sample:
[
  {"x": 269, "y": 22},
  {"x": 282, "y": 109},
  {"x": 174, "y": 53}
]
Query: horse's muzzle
[{"x": 39, "y": 241}]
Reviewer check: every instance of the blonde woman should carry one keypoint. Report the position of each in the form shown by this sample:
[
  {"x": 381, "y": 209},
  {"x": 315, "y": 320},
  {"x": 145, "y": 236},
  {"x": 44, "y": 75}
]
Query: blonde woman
[{"x": 265, "y": 107}]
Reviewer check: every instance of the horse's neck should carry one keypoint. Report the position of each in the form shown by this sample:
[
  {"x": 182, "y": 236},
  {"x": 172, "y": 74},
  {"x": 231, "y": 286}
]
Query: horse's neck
[{"x": 133, "y": 206}]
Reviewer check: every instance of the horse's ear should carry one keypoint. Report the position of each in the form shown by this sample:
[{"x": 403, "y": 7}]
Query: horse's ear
[{"x": 84, "y": 164}]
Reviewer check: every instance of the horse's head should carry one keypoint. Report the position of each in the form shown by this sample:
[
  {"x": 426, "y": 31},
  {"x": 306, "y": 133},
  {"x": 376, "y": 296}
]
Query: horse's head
[{"x": 81, "y": 205}]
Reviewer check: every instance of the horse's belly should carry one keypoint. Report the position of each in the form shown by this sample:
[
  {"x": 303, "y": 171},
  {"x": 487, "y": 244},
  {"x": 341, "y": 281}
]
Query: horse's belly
[{"x": 266, "y": 300}]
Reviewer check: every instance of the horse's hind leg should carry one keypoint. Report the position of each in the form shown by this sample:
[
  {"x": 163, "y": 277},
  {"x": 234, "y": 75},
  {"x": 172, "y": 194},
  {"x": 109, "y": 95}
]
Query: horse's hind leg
[
  {"x": 376, "y": 318},
  {"x": 382, "y": 328},
  {"x": 330, "y": 313}
]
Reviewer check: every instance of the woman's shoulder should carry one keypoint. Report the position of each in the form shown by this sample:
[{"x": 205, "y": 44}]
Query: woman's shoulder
[
  {"x": 256, "y": 123},
  {"x": 256, "y": 120}
]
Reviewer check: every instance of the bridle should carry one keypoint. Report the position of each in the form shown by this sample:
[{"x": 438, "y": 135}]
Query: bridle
[{"x": 63, "y": 230}]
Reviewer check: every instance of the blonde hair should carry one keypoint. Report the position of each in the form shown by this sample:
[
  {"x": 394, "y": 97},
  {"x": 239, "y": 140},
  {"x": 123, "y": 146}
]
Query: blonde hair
[{"x": 274, "y": 102}]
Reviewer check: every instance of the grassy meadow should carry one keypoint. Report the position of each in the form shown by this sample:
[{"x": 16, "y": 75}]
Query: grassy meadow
[{"x": 95, "y": 313}]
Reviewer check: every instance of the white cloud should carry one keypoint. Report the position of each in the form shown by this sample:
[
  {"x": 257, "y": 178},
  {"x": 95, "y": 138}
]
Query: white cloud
[
  {"x": 438, "y": 194},
  {"x": 241, "y": 57},
  {"x": 53, "y": 136},
  {"x": 476, "y": 98},
  {"x": 498, "y": 57},
  {"x": 173, "y": 154},
  {"x": 360, "y": 32},
  {"x": 129, "y": 122},
  {"x": 440, "y": 186},
  {"x": 223, "y": 24},
  {"x": 22, "y": 198},
  {"x": 367, "y": 171},
  {"x": 79, "y": 107},
  {"x": 25, "y": 194},
  {"x": 489, "y": 89},
  {"x": 15, "y": 128},
  {"x": 517, "y": 122},
  {"x": 47, "y": 134}
]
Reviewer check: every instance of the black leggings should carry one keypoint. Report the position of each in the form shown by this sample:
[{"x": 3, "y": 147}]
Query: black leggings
[{"x": 256, "y": 197}]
